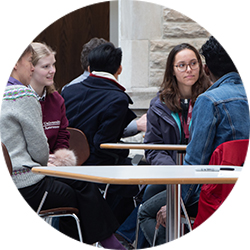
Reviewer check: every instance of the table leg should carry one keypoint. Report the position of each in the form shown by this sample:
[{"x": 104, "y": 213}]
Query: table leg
[{"x": 173, "y": 212}]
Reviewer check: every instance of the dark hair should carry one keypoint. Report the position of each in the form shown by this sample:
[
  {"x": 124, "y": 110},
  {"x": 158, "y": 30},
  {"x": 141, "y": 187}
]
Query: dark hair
[
  {"x": 169, "y": 92},
  {"x": 87, "y": 47},
  {"x": 217, "y": 59},
  {"x": 105, "y": 58}
]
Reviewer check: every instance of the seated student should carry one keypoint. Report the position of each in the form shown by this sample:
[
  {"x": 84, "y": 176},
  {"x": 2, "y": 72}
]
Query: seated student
[
  {"x": 135, "y": 126},
  {"x": 169, "y": 115},
  {"x": 21, "y": 116},
  {"x": 55, "y": 122},
  {"x": 226, "y": 118},
  {"x": 99, "y": 107},
  {"x": 227, "y": 112}
]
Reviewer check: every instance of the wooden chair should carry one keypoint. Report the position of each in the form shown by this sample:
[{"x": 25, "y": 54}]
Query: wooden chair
[{"x": 79, "y": 144}]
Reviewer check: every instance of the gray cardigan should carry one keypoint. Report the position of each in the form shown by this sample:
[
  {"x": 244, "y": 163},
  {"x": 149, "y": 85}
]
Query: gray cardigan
[{"x": 22, "y": 133}]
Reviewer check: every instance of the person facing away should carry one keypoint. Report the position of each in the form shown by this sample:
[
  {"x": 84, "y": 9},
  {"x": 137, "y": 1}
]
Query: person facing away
[
  {"x": 99, "y": 106},
  {"x": 87, "y": 47},
  {"x": 221, "y": 113},
  {"x": 135, "y": 126}
]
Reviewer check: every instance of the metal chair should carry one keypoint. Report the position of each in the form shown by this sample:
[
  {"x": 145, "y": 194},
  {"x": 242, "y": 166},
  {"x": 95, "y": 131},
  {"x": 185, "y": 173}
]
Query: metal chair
[{"x": 79, "y": 144}]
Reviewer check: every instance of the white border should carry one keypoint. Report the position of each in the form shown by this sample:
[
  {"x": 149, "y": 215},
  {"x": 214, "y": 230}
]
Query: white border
[{"x": 21, "y": 21}]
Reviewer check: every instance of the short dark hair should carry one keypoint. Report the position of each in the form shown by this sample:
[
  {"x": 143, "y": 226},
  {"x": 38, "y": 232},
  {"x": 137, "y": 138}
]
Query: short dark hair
[
  {"x": 105, "y": 58},
  {"x": 217, "y": 59},
  {"x": 87, "y": 47}
]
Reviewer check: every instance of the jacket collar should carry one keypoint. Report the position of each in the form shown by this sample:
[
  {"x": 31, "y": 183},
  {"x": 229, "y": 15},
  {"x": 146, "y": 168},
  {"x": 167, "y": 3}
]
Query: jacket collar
[
  {"x": 107, "y": 76},
  {"x": 223, "y": 78},
  {"x": 105, "y": 84}
]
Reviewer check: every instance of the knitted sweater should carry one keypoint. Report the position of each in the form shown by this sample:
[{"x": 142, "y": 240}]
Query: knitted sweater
[{"x": 22, "y": 133}]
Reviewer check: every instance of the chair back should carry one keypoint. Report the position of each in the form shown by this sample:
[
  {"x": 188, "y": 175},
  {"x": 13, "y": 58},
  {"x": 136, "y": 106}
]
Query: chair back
[
  {"x": 232, "y": 153},
  {"x": 79, "y": 144},
  {"x": 7, "y": 158}
]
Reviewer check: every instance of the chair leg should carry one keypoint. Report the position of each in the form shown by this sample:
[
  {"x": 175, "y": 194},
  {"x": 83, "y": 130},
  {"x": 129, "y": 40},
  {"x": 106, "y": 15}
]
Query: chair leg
[
  {"x": 49, "y": 219},
  {"x": 186, "y": 215},
  {"x": 42, "y": 202},
  {"x": 78, "y": 227},
  {"x": 106, "y": 191},
  {"x": 137, "y": 228}
]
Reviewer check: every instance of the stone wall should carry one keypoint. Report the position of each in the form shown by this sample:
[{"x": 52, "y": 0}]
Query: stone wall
[
  {"x": 147, "y": 33},
  {"x": 176, "y": 29}
]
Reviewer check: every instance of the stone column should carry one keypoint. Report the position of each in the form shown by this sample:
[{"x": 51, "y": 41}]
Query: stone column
[{"x": 139, "y": 22}]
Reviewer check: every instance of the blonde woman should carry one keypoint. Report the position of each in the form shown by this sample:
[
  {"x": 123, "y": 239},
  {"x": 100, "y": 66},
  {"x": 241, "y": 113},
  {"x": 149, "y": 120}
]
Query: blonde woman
[
  {"x": 52, "y": 104},
  {"x": 97, "y": 220}
]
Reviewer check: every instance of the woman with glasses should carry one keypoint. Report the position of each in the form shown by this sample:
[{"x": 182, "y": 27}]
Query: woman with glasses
[
  {"x": 169, "y": 115},
  {"x": 168, "y": 122}
]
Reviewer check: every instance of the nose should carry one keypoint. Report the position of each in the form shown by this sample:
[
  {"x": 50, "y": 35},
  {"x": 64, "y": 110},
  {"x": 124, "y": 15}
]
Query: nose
[
  {"x": 188, "y": 67},
  {"x": 52, "y": 69}
]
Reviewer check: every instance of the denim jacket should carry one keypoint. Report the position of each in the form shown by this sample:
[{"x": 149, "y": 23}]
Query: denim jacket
[{"x": 220, "y": 114}]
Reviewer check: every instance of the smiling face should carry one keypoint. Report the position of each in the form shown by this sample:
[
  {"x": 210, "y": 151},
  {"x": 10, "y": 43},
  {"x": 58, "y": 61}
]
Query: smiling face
[
  {"x": 187, "y": 78},
  {"x": 44, "y": 72}
]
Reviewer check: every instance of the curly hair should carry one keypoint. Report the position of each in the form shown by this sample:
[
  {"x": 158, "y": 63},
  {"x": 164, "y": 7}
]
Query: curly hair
[
  {"x": 169, "y": 91},
  {"x": 217, "y": 59}
]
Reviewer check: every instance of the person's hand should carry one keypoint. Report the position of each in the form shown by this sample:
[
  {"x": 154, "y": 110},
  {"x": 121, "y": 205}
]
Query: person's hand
[
  {"x": 142, "y": 123},
  {"x": 51, "y": 160},
  {"x": 161, "y": 216}
]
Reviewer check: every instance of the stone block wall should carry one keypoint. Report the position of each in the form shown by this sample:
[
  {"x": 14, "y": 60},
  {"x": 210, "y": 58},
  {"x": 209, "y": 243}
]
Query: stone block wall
[
  {"x": 147, "y": 33},
  {"x": 176, "y": 29}
]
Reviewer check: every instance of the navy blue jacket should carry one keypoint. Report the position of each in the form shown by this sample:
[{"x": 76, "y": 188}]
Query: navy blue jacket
[
  {"x": 163, "y": 127},
  {"x": 99, "y": 108}
]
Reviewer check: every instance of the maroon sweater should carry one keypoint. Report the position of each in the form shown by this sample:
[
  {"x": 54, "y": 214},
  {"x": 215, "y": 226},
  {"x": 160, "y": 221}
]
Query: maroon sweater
[{"x": 55, "y": 121}]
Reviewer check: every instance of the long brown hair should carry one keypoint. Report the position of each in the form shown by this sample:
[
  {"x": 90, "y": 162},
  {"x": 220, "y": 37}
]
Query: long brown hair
[{"x": 169, "y": 91}]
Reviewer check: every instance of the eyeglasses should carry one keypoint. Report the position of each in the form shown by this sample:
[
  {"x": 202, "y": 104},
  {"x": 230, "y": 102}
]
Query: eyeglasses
[{"x": 182, "y": 67}]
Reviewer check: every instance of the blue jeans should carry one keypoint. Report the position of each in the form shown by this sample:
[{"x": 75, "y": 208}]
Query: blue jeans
[{"x": 147, "y": 216}]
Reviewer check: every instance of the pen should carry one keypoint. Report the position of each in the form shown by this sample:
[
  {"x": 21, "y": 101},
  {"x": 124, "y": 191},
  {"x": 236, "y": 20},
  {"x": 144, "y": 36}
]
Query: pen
[
  {"x": 207, "y": 169},
  {"x": 214, "y": 169}
]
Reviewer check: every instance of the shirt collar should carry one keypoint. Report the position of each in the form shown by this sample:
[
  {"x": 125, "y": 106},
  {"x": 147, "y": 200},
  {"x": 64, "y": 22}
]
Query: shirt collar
[
  {"x": 13, "y": 81},
  {"x": 108, "y": 76},
  {"x": 39, "y": 98}
]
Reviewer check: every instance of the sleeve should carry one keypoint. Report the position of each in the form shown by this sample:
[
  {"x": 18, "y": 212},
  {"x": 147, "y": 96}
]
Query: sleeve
[
  {"x": 32, "y": 129},
  {"x": 203, "y": 132},
  {"x": 112, "y": 124},
  {"x": 130, "y": 130},
  {"x": 154, "y": 135},
  {"x": 62, "y": 140}
]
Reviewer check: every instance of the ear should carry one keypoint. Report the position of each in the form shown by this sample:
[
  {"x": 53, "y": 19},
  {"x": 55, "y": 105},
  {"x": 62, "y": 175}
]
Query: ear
[
  {"x": 206, "y": 69},
  {"x": 16, "y": 66},
  {"x": 119, "y": 71}
]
